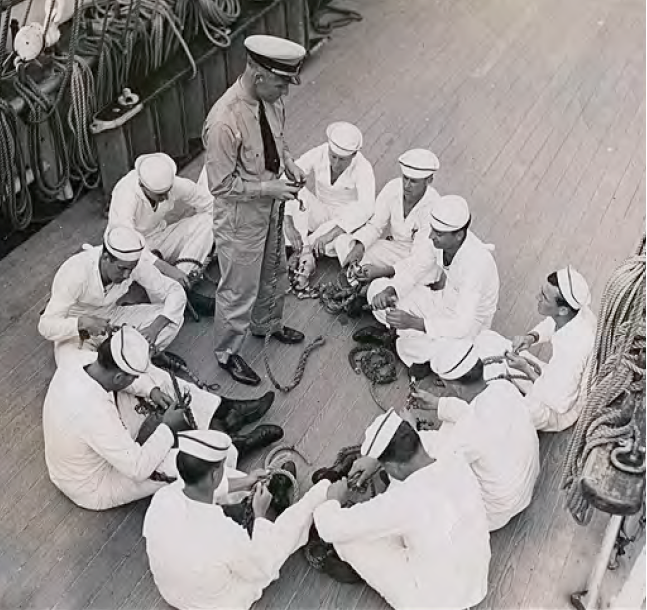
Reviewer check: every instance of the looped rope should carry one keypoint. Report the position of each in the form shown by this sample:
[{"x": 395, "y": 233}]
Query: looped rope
[
  {"x": 313, "y": 345},
  {"x": 508, "y": 375},
  {"x": 615, "y": 388}
]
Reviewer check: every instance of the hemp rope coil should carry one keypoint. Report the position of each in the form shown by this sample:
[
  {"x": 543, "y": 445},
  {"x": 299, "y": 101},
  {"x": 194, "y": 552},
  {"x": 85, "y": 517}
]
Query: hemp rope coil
[{"x": 616, "y": 369}]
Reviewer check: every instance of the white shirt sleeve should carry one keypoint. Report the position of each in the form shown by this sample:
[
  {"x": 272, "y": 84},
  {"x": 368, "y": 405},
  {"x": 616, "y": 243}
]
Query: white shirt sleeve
[
  {"x": 108, "y": 437},
  {"x": 451, "y": 409},
  {"x": 379, "y": 222},
  {"x": 379, "y": 517},
  {"x": 420, "y": 267},
  {"x": 161, "y": 289},
  {"x": 459, "y": 321},
  {"x": 545, "y": 329},
  {"x": 273, "y": 543},
  {"x": 55, "y": 324},
  {"x": 192, "y": 196},
  {"x": 308, "y": 160},
  {"x": 123, "y": 203},
  {"x": 354, "y": 216}
]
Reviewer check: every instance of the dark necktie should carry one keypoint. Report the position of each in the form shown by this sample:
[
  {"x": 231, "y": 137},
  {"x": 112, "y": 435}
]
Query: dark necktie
[{"x": 271, "y": 154}]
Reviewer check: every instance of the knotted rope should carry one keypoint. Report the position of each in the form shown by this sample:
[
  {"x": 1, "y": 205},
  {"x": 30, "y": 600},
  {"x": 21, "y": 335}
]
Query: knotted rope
[
  {"x": 616, "y": 371},
  {"x": 508, "y": 375},
  {"x": 313, "y": 345}
]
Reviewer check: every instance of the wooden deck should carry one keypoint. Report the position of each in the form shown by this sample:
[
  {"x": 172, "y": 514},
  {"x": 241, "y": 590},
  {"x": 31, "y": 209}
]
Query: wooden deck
[{"x": 536, "y": 109}]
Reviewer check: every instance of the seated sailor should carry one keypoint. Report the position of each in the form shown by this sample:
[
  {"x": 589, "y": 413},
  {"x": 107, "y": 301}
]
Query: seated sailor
[
  {"x": 424, "y": 542},
  {"x": 554, "y": 398},
  {"x": 487, "y": 423},
  {"x": 448, "y": 287},
  {"x": 92, "y": 423},
  {"x": 90, "y": 293},
  {"x": 401, "y": 210},
  {"x": 174, "y": 214},
  {"x": 342, "y": 201},
  {"x": 200, "y": 554}
]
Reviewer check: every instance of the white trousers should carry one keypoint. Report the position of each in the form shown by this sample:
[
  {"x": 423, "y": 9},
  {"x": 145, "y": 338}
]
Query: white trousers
[
  {"x": 413, "y": 346},
  {"x": 138, "y": 316},
  {"x": 188, "y": 238},
  {"x": 315, "y": 220}
]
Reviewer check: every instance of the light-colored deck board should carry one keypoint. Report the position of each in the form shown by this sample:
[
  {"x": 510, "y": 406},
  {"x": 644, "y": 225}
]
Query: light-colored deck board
[{"x": 537, "y": 112}]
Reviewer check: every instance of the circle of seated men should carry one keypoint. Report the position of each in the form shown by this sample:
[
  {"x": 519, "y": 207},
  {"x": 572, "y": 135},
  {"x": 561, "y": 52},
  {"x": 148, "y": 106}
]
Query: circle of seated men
[{"x": 433, "y": 288}]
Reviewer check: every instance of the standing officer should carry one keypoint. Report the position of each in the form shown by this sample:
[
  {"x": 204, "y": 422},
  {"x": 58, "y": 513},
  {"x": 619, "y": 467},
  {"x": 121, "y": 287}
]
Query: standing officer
[{"x": 246, "y": 152}]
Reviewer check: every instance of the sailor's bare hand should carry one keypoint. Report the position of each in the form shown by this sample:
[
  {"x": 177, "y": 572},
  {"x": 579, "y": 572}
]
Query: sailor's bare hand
[
  {"x": 280, "y": 189},
  {"x": 363, "y": 469},
  {"x": 255, "y": 476},
  {"x": 293, "y": 236},
  {"x": 387, "y": 298},
  {"x": 93, "y": 325},
  {"x": 425, "y": 401},
  {"x": 371, "y": 272},
  {"x": 402, "y": 320},
  {"x": 294, "y": 172},
  {"x": 522, "y": 342},
  {"x": 338, "y": 491},
  {"x": 175, "y": 420},
  {"x": 261, "y": 500},
  {"x": 174, "y": 273},
  {"x": 439, "y": 284},
  {"x": 161, "y": 399},
  {"x": 523, "y": 364},
  {"x": 355, "y": 255}
]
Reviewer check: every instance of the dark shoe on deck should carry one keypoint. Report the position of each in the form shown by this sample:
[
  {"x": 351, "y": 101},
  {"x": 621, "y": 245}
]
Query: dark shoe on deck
[
  {"x": 375, "y": 335},
  {"x": 259, "y": 437},
  {"x": 239, "y": 413},
  {"x": 240, "y": 370},
  {"x": 287, "y": 335}
]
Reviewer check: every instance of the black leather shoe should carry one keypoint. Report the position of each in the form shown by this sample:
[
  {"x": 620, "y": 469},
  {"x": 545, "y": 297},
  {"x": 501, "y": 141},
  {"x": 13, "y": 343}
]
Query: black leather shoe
[
  {"x": 281, "y": 488},
  {"x": 240, "y": 370},
  {"x": 375, "y": 335},
  {"x": 287, "y": 335},
  {"x": 259, "y": 437},
  {"x": 168, "y": 361},
  {"x": 235, "y": 414}
]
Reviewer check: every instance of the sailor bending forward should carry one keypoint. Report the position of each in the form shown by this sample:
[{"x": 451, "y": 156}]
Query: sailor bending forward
[
  {"x": 424, "y": 542},
  {"x": 91, "y": 421},
  {"x": 90, "y": 294},
  {"x": 202, "y": 559}
]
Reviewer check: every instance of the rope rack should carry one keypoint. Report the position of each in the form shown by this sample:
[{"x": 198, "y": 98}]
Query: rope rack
[{"x": 109, "y": 44}]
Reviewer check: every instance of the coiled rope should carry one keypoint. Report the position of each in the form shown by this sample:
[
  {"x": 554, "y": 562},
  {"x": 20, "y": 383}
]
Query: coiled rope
[
  {"x": 313, "y": 345},
  {"x": 15, "y": 198},
  {"x": 616, "y": 370}
]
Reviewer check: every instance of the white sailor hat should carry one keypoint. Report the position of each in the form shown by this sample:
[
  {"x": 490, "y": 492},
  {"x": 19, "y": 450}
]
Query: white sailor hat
[
  {"x": 574, "y": 288},
  {"x": 449, "y": 213},
  {"x": 130, "y": 351},
  {"x": 453, "y": 358},
  {"x": 124, "y": 243},
  {"x": 379, "y": 434},
  {"x": 156, "y": 172},
  {"x": 418, "y": 163},
  {"x": 207, "y": 445},
  {"x": 344, "y": 139},
  {"x": 278, "y": 55}
]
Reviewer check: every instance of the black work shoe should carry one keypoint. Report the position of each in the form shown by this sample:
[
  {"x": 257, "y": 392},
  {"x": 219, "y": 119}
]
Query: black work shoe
[
  {"x": 235, "y": 414},
  {"x": 281, "y": 488},
  {"x": 287, "y": 335},
  {"x": 168, "y": 361},
  {"x": 375, "y": 335},
  {"x": 322, "y": 557},
  {"x": 259, "y": 437},
  {"x": 240, "y": 371}
]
